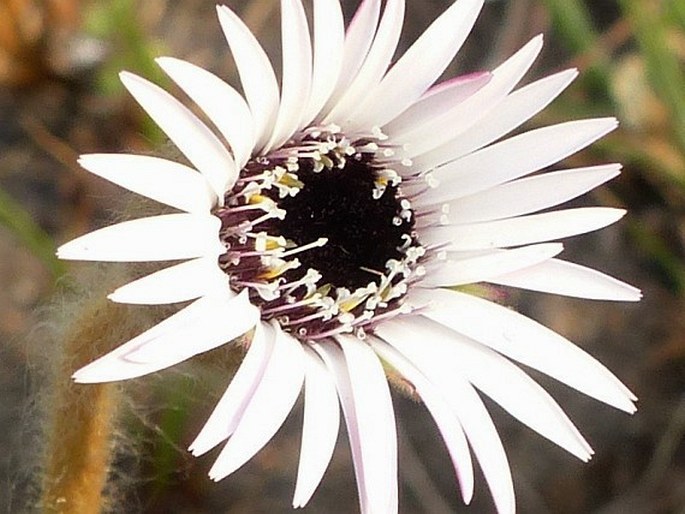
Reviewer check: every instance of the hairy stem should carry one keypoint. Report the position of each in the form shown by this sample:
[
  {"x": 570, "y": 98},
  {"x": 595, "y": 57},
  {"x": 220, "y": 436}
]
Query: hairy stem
[{"x": 80, "y": 436}]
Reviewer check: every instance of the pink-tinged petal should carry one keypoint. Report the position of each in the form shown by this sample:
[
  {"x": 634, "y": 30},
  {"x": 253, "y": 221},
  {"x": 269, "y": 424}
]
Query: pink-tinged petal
[
  {"x": 297, "y": 72},
  {"x": 569, "y": 279},
  {"x": 419, "y": 67},
  {"x": 514, "y": 158},
  {"x": 534, "y": 228},
  {"x": 429, "y": 137},
  {"x": 228, "y": 411},
  {"x": 270, "y": 404},
  {"x": 196, "y": 329},
  {"x": 375, "y": 65},
  {"x": 256, "y": 73},
  {"x": 164, "y": 181},
  {"x": 358, "y": 40},
  {"x": 186, "y": 281},
  {"x": 504, "y": 382},
  {"x": 448, "y": 424},
  {"x": 320, "y": 427},
  {"x": 186, "y": 131},
  {"x": 222, "y": 104},
  {"x": 524, "y": 340},
  {"x": 367, "y": 406},
  {"x": 466, "y": 405},
  {"x": 329, "y": 37},
  {"x": 512, "y": 112},
  {"x": 530, "y": 194},
  {"x": 467, "y": 269},
  {"x": 437, "y": 100},
  {"x": 158, "y": 238}
]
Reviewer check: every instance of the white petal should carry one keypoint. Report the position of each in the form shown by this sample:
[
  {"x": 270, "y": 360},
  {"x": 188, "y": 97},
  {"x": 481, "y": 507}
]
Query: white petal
[
  {"x": 320, "y": 427},
  {"x": 437, "y": 100},
  {"x": 523, "y": 230},
  {"x": 465, "y": 403},
  {"x": 297, "y": 72},
  {"x": 268, "y": 407},
  {"x": 515, "y": 157},
  {"x": 329, "y": 38},
  {"x": 530, "y": 194},
  {"x": 186, "y": 281},
  {"x": 256, "y": 73},
  {"x": 504, "y": 382},
  {"x": 569, "y": 279},
  {"x": 447, "y": 422},
  {"x": 168, "y": 182},
  {"x": 228, "y": 411},
  {"x": 158, "y": 238},
  {"x": 198, "y": 328},
  {"x": 367, "y": 406},
  {"x": 186, "y": 131},
  {"x": 483, "y": 266},
  {"x": 419, "y": 67},
  {"x": 526, "y": 341},
  {"x": 510, "y": 113},
  {"x": 432, "y": 134},
  {"x": 358, "y": 40},
  {"x": 222, "y": 104},
  {"x": 375, "y": 64}
]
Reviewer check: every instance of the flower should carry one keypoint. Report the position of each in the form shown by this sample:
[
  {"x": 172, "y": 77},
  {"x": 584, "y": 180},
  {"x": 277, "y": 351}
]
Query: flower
[{"x": 333, "y": 227}]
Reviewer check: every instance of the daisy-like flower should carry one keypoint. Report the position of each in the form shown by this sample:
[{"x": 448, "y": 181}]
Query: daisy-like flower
[{"x": 330, "y": 223}]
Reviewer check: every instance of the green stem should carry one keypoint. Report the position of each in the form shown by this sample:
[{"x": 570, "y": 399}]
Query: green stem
[{"x": 19, "y": 222}]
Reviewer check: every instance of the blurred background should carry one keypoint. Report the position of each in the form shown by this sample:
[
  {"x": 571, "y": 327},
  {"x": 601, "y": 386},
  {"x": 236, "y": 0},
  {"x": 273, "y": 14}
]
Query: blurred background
[{"x": 60, "y": 96}]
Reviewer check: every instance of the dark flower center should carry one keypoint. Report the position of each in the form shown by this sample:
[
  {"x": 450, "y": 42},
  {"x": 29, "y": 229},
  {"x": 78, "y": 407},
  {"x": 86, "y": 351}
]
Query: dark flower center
[
  {"x": 321, "y": 237},
  {"x": 363, "y": 231}
]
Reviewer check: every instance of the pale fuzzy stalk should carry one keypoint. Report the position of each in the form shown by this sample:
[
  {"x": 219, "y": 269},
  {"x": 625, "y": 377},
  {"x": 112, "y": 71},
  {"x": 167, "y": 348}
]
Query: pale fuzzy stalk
[{"x": 82, "y": 417}]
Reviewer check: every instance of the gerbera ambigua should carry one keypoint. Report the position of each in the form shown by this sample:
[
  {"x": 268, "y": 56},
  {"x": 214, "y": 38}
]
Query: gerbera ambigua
[{"x": 335, "y": 228}]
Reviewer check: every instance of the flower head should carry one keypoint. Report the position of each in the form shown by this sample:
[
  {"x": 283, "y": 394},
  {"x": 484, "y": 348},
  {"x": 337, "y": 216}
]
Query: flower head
[{"x": 331, "y": 221}]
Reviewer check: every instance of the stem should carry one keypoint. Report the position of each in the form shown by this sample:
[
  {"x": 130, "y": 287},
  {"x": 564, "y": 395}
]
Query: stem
[{"x": 80, "y": 437}]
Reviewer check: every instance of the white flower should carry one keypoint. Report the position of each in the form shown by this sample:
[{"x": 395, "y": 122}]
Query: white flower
[{"x": 334, "y": 227}]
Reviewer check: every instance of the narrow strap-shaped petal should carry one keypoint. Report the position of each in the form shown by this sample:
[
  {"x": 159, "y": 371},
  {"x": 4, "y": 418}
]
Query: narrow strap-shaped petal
[
  {"x": 256, "y": 73},
  {"x": 358, "y": 40},
  {"x": 530, "y": 194},
  {"x": 524, "y": 340},
  {"x": 466, "y": 405},
  {"x": 186, "y": 131},
  {"x": 179, "y": 283},
  {"x": 515, "y": 157},
  {"x": 485, "y": 265},
  {"x": 569, "y": 279},
  {"x": 297, "y": 72},
  {"x": 329, "y": 38},
  {"x": 448, "y": 424},
  {"x": 168, "y": 182},
  {"x": 375, "y": 65},
  {"x": 222, "y": 104},
  {"x": 504, "y": 382},
  {"x": 228, "y": 411},
  {"x": 429, "y": 144},
  {"x": 367, "y": 406},
  {"x": 437, "y": 100},
  {"x": 512, "y": 112},
  {"x": 198, "y": 328},
  {"x": 523, "y": 230},
  {"x": 158, "y": 238},
  {"x": 419, "y": 67},
  {"x": 319, "y": 429},
  {"x": 335, "y": 361},
  {"x": 272, "y": 401}
]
